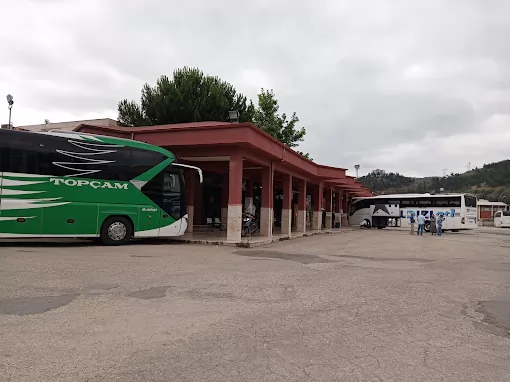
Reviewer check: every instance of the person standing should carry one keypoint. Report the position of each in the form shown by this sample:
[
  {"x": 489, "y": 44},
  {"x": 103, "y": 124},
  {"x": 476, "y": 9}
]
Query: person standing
[
  {"x": 433, "y": 224},
  {"x": 439, "y": 223},
  {"x": 411, "y": 223},
  {"x": 421, "y": 224}
]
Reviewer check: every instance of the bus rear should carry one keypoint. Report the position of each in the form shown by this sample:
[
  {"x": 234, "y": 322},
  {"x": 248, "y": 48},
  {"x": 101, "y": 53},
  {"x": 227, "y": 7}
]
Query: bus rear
[{"x": 469, "y": 212}]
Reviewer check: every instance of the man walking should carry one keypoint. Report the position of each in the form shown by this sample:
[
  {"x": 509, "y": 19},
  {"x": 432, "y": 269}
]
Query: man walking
[
  {"x": 411, "y": 223},
  {"x": 421, "y": 224}
]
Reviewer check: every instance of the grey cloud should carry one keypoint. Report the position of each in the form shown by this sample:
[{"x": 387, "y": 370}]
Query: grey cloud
[{"x": 364, "y": 77}]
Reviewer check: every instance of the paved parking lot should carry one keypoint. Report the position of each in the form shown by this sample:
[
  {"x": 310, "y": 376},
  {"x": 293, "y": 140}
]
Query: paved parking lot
[{"x": 366, "y": 305}]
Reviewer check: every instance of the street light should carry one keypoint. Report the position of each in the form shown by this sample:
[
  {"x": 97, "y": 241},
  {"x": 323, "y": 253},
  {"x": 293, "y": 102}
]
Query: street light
[
  {"x": 356, "y": 167},
  {"x": 233, "y": 116},
  {"x": 10, "y": 102},
  {"x": 501, "y": 197}
]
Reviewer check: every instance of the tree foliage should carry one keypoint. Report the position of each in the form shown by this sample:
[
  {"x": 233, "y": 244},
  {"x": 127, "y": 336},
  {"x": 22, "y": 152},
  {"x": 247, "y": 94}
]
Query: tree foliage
[
  {"x": 266, "y": 117},
  {"x": 190, "y": 96},
  {"x": 492, "y": 182}
]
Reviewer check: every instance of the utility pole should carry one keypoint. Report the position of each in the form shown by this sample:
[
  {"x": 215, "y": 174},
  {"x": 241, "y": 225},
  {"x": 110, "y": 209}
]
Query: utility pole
[{"x": 444, "y": 171}]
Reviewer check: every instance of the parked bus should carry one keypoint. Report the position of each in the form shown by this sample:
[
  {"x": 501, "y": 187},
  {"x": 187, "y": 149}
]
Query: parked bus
[
  {"x": 380, "y": 211},
  {"x": 68, "y": 184},
  {"x": 502, "y": 219}
]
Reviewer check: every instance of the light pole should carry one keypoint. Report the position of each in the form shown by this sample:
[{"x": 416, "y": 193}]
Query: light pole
[
  {"x": 356, "y": 167},
  {"x": 10, "y": 102},
  {"x": 501, "y": 197}
]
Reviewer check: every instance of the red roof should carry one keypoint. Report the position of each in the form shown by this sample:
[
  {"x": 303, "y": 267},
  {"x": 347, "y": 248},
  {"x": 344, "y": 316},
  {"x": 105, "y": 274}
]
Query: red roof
[{"x": 220, "y": 138}]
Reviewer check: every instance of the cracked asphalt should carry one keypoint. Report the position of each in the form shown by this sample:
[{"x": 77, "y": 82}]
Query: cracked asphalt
[{"x": 365, "y": 305}]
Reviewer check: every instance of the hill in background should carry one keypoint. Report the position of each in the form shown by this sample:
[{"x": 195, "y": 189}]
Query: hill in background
[{"x": 491, "y": 182}]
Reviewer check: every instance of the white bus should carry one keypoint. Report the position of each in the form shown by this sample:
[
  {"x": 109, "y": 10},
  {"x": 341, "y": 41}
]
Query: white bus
[
  {"x": 383, "y": 210},
  {"x": 502, "y": 219}
]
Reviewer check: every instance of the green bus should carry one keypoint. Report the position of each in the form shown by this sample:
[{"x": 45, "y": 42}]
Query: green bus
[{"x": 66, "y": 184}]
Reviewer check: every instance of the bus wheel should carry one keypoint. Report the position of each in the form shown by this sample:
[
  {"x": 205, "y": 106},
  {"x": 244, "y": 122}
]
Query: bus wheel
[{"x": 116, "y": 230}]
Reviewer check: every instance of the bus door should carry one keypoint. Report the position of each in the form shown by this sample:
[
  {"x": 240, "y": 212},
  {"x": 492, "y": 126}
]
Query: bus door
[
  {"x": 163, "y": 217},
  {"x": 173, "y": 203}
]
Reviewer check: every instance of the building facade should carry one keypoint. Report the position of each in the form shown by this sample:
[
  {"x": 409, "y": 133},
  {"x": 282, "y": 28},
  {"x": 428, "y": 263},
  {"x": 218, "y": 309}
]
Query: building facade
[
  {"x": 245, "y": 166},
  {"x": 486, "y": 210}
]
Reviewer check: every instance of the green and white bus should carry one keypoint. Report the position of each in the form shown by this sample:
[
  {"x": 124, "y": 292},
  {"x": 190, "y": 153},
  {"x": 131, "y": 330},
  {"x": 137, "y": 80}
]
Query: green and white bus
[{"x": 67, "y": 184}]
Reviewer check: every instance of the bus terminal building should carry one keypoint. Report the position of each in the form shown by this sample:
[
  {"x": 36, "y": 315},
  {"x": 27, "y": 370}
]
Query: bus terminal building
[{"x": 244, "y": 166}]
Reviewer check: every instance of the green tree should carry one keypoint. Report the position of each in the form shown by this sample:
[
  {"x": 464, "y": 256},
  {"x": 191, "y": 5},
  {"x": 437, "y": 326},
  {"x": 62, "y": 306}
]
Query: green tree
[
  {"x": 267, "y": 118},
  {"x": 190, "y": 96}
]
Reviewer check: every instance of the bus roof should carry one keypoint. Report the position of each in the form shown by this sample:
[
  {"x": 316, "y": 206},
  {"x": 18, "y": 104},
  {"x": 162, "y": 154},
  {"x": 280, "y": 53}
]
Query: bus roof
[
  {"x": 410, "y": 196},
  {"x": 96, "y": 138}
]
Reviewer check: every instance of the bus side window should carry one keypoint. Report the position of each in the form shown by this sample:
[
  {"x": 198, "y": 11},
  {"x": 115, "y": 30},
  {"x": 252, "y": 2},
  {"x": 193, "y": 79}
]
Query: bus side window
[{"x": 19, "y": 161}]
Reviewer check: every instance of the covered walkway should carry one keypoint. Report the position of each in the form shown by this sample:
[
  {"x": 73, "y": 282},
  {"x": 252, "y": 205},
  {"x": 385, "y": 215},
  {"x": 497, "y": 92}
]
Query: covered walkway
[{"x": 244, "y": 166}]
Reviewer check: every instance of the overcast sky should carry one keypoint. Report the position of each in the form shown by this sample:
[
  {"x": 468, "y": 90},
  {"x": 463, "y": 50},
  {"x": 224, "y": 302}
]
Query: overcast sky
[{"x": 400, "y": 85}]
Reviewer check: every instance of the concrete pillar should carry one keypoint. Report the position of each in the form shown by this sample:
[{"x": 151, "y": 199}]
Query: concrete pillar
[
  {"x": 287, "y": 205},
  {"x": 190, "y": 190},
  {"x": 301, "y": 215},
  {"x": 266, "y": 210},
  {"x": 328, "y": 206},
  {"x": 338, "y": 208},
  {"x": 235, "y": 194},
  {"x": 345, "y": 209},
  {"x": 317, "y": 197}
]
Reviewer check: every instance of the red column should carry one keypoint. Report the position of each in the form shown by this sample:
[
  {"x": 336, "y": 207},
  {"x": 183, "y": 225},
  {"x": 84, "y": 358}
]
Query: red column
[
  {"x": 328, "y": 199},
  {"x": 190, "y": 191},
  {"x": 224, "y": 192},
  {"x": 301, "y": 213},
  {"x": 317, "y": 198},
  {"x": 328, "y": 206},
  {"x": 346, "y": 208},
  {"x": 266, "y": 210},
  {"x": 287, "y": 205},
  {"x": 235, "y": 193}
]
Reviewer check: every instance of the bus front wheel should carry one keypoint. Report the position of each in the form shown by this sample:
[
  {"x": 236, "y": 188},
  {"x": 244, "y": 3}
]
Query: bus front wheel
[{"x": 116, "y": 230}]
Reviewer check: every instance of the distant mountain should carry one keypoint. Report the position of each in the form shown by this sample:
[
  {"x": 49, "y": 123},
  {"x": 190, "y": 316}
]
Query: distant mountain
[{"x": 492, "y": 182}]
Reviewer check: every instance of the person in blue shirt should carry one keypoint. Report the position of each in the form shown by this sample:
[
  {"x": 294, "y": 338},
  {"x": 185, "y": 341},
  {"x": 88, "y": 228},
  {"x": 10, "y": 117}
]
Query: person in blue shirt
[
  {"x": 421, "y": 224},
  {"x": 439, "y": 225},
  {"x": 411, "y": 223}
]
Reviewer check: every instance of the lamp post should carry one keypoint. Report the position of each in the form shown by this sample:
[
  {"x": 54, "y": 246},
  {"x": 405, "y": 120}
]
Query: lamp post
[
  {"x": 233, "y": 116},
  {"x": 10, "y": 102},
  {"x": 356, "y": 167}
]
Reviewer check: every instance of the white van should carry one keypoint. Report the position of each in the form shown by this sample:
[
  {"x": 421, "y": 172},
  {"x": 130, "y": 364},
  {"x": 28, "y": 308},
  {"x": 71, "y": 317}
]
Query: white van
[{"x": 502, "y": 219}]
